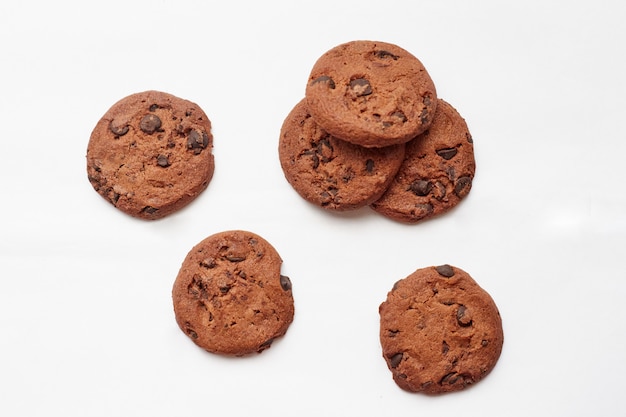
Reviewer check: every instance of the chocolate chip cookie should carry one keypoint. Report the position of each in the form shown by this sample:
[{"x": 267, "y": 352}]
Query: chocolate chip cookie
[
  {"x": 329, "y": 172},
  {"x": 230, "y": 297},
  {"x": 371, "y": 93},
  {"x": 151, "y": 154},
  {"x": 439, "y": 331},
  {"x": 437, "y": 171}
]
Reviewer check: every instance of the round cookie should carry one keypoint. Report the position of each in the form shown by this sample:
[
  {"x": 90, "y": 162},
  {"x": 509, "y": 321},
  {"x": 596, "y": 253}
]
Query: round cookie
[
  {"x": 437, "y": 171},
  {"x": 151, "y": 154},
  {"x": 329, "y": 172},
  {"x": 230, "y": 297},
  {"x": 439, "y": 331},
  {"x": 371, "y": 93}
]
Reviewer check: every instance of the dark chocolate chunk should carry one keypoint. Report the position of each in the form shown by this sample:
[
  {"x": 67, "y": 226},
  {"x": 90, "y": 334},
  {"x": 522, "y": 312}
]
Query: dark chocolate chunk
[
  {"x": 150, "y": 123},
  {"x": 450, "y": 378},
  {"x": 361, "y": 87},
  {"x": 445, "y": 270},
  {"x": 463, "y": 186},
  {"x": 150, "y": 209},
  {"x": 400, "y": 115},
  {"x": 118, "y": 130},
  {"x": 447, "y": 153},
  {"x": 208, "y": 263},
  {"x": 236, "y": 258},
  {"x": 285, "y": 282},
  {"x": 396, "y": 359},
  {"x": 154, "y": 107},
  {"x": 463, "y": 316},
  {"x": 421, "y": 187},
  {"x": 369, "y": 165},
  {"x": 424, "y": 116},
  {"x": 266, "y": 344},
  {"x": 386, "y": 54},
  {"x": 162, "y": 161},
  {"x": 324, "y": 79},
  {"x": 197, "y": 141},
  {"x": 191, "y": 332}
]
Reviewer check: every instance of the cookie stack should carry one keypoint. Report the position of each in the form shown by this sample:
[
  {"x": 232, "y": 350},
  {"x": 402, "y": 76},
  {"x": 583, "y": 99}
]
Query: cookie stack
[{"x": 371, "y": 131}]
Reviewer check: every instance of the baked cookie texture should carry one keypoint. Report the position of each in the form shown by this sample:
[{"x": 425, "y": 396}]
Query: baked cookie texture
[
  {"x": 371, "y": 93},
  {"x": 437, "y": 171},
  {"x": 229, "y": 296},
  {"x": 329, "y": 172},
  {"x": 439, "y": 331},
  {"x": 151, "y": 154}
]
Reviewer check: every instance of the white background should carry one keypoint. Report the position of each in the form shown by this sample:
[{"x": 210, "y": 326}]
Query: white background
[{"x": 86, "y": 320}]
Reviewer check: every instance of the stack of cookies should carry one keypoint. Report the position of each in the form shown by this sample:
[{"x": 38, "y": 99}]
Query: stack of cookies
[{"x": 371, "y": 131}]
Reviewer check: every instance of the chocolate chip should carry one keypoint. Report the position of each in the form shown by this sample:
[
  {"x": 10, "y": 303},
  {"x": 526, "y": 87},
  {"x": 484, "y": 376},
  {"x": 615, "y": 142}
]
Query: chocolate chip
[
  {"x": 463, "y": 316},
  {"x": 451, "y": 172},
  {"x": 424, "y": 116},
  {"x": 162, "y": 161},
  {"x": 445, "y": 347},
  {"x": 347, "y": 174},
  {"x": 361, "y": 87},
  {"x": 369, "y": 165},
  {"x": 118, "y": 130},
  {"x": 395, "y": 360},
  {"x": 421, "y": 187},
  {"x": 400, "y": 115},
  {"x": 329, "y": 196},
  {"x": 445, "y": 270},
  {"x": 191, "y": 332},
  {"x": 265, "y": 344},
  {"x": 325, "y": 149},
  {"x": 450, "y": 378},
  {"x": 154, "y": 107},
  {"x": 324, "y": 79},
  {"x": 385, "y": 54},
  {"x": 208, "y": 263},
  {"x": 197, "y": 141},
  {"x": 463, "y": 186},
  {"x": 447, "y": 153},
  {"x": 285, "y": 282},
  {"x": 235, "y": 258},
  {"x": 150, "y": 123},
  {"x": 150, "y": 210},
  {"x": 484, "y": 343},
  {"x": 469, "y": 138},
  {"x": 316, "y": 160}
]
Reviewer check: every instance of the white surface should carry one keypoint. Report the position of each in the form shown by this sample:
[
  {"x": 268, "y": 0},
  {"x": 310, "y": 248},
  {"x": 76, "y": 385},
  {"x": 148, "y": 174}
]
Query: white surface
[{"x": 86, "y": 322}]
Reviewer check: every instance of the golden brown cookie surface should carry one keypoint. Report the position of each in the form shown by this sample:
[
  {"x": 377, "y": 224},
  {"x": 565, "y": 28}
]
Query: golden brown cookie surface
[
  {"x": 229, "y": 296},
  {"x": 439, "y": 331},
  {"x": 370, "y": 93},
  {"x": 151, "y": 154}
]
